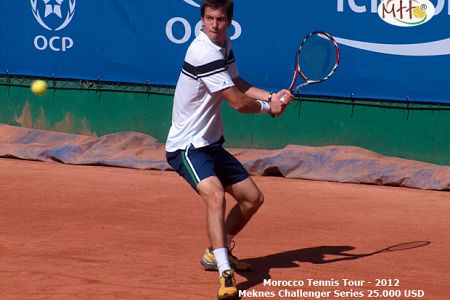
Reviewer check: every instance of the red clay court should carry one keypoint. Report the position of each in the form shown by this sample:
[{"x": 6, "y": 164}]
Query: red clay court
[{"x": 87, "y": 232}]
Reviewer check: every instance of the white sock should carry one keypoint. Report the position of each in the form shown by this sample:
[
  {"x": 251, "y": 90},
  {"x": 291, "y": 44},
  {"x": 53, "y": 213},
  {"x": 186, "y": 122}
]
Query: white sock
[
  {"x": 230, "y": 238},
  {"x": 221, "y": 255}
]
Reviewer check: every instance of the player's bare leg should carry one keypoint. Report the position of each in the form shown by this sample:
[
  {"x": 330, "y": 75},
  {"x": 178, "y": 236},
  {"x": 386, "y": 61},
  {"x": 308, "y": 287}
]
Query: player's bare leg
[
  {"x": 213, "y": 194},
  {"x": 249, "y": 199}
]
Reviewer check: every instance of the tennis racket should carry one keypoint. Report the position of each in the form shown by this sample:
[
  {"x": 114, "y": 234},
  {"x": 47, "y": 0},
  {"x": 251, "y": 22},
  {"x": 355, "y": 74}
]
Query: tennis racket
[{"x": 316, "y": 60}]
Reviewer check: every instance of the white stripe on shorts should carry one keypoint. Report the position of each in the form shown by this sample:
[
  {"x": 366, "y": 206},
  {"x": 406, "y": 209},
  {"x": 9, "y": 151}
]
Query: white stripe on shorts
[{"x": 190, "y": 163}]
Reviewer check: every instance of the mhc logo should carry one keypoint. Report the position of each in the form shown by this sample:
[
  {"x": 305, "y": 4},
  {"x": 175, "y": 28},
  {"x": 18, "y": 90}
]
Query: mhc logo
[
  {"x": 406, "y": 13},
  {"x": 53, "y": 15}
]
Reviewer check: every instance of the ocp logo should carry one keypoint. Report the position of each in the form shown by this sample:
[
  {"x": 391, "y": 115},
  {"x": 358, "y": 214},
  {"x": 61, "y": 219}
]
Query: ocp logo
[
  {"x": 57, "y": 13},
  {"x": 406, "y": 13},
  {"x": 53, "y": 15}
]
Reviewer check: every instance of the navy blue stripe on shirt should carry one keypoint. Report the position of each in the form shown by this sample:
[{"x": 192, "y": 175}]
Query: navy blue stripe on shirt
[{"x": 204, "y": 70}]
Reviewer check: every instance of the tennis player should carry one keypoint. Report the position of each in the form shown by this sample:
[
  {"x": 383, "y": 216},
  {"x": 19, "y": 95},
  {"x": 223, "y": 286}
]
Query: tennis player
[{"x": 194, "y": 145}]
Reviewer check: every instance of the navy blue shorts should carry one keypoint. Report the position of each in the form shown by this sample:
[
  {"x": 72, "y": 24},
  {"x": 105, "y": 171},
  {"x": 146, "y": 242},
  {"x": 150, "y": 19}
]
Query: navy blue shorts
[{"x": 196, "y": 164}]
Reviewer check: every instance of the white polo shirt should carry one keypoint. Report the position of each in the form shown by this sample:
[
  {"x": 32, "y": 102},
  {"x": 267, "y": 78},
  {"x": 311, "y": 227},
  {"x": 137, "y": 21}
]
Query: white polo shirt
[{"x": 197, "y": 114}]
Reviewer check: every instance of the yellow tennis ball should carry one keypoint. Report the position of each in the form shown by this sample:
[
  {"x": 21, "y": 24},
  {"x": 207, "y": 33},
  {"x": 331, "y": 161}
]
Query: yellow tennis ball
[{"x": 39, "y": 87}]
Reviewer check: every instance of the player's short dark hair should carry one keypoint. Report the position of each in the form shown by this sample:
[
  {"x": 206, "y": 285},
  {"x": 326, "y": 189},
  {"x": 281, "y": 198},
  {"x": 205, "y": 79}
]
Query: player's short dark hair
[{"x": 228, "y": 4}]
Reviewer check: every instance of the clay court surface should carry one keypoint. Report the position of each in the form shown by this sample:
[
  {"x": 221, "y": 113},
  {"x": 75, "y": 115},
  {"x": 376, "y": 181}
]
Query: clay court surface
[{"x": 87, "y": 232}]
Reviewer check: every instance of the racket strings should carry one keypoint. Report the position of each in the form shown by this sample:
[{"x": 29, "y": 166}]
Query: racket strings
[{"x": 317, "y": 58}]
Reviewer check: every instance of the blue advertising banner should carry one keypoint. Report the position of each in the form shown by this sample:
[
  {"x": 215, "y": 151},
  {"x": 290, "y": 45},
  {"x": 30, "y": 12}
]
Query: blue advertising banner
[{"x": 390, "y": 49}]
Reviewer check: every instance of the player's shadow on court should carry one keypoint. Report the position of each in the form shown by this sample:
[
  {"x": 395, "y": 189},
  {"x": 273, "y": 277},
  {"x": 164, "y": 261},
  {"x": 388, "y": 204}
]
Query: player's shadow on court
[{"x": 261, "y": 266}]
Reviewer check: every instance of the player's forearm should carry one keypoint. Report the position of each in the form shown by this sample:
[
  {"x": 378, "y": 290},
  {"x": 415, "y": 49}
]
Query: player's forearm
[
  {"x": 243, "y": 103},
  {"x": 250, "y": 107},
  {"x": 246, "y": 105},
  {"x": 251, "y": 91}
]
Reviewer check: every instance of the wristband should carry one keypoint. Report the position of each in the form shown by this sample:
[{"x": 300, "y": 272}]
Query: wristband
[
  {"x": 270, "y": 97},
  {"x": 265, "y": 107}
]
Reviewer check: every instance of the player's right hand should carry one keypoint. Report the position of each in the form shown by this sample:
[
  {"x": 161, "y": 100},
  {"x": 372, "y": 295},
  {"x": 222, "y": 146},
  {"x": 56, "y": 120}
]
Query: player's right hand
[
  {"x": 285, "y": 97},
  {"x": 280, "y": 101}
]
